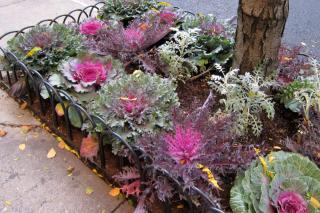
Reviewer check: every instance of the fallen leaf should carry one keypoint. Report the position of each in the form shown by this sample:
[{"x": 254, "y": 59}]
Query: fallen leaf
[
  {"x": 51, "y": 154},
  {"x": 277, "y": 147},
  {"x": 25, "y": 129},
  {"x": 89, "y": 190},
  {"x": 114, "y": 192},
  {"x": 61, "y": 144},
  {"x": 89, "y": 147},
  {"x": 103, "y": 211},
  {"x": 181, "y": 206},
  {"x": 59, "y": 110},
  {"x": 8, "y": 203},
  {"x": 96, "y": 172},
  {"x": 2, "y": 133},
  {"x": 16, "y": 159},
  {"x": 70, "y": 170},
  {"x": 22, "y": 146},
  {"x": 23, "y": 105}
]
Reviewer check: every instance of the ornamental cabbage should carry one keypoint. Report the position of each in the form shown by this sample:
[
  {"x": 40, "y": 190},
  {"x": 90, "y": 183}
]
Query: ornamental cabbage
[
  {"x": 281, "y": 182},
  {"x": 44, "y": 47},
  {"x": 136, "y": 104}
]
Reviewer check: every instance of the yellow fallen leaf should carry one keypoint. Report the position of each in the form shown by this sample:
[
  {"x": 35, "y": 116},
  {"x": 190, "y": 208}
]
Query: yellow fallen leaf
[
  {"x": 257, "y": 150},
  {"x": 96, "y": 172},
  {"x": 23, "y": 105},
  {"x": 165, "y": 4},
  {"x": 89, "y": 190},
  {"x": 114, "y": 192},
  {"x": 314, "y": 202},
  {"x": 25, "y": 129},
  {"x": 33, "y": 51},
  {"x": 61, "y": 144},
  {"x": 52, "y": 153},
  {"x": 70, "y": 170},
  {"x": 103, "y": 211},
  {"x": 8, "y": 203},
  {"x": 181, "y": 206},
  {"x": 59, "y": 108},
  {"x": 2, "y": 133},
  {"x": 22, "y": 146}
]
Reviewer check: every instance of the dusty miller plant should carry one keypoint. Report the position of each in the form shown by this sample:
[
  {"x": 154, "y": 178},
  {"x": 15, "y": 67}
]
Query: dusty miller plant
[
  {"x": 126, "y": 10},
  {"x": 178, "y": 53},
  {"x": 309, "y": 97},
  {"x": 244, "y": 96}
]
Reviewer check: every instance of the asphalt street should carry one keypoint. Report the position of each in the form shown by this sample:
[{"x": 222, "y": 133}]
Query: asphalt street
[{"x": 303, "y": 24}]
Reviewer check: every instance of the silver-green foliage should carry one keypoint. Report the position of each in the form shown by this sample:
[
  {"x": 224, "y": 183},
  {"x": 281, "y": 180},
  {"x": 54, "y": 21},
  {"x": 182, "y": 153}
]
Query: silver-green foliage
[
  {"x": 126, "y": 10},
  {"x": 177, "y": 54},
  {"x": 137, "y": 104},
  {"x": 245, "y": 97},
  {"x": 309, "y": 97},
  {"x": 257, "y": 190}
]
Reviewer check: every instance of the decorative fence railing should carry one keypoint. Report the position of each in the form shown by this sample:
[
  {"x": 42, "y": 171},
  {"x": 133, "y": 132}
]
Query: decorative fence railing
[{"x": 61, "y": 126}]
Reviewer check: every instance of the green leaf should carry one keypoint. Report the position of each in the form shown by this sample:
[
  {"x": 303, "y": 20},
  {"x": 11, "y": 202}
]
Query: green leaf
[{"x": 74, "y": 117}]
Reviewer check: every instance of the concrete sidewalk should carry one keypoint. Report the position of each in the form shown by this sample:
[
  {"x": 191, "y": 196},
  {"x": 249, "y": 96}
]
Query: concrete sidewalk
[{"x": 29, "y": 181}]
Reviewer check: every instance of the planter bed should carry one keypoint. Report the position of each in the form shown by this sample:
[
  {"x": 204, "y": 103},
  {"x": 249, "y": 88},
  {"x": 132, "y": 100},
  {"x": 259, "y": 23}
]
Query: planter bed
[{"x": 131, "y": 92}]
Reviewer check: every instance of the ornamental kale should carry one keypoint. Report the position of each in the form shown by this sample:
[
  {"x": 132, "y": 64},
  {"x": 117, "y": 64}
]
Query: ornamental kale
[
  {"x": 198, "y": 150},
  {"x": 281, "y": 182},
  {"x": 85, "y": 74},
  {"x": 183, "y": 146},
  {"x": 137, "y": 104},
  {"x": 91, "y": 27},
  {"x": 245, "y": 97},
  {"x": 142, "y": 33},
  {"x": 126, "y": 10},
  {"x": 44, "y": 47},
  {"x": 292, "y": 64}
]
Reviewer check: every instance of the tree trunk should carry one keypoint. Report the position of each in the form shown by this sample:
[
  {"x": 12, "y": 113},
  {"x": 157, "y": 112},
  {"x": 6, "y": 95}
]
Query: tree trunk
[{"x": 259, "y": 31}]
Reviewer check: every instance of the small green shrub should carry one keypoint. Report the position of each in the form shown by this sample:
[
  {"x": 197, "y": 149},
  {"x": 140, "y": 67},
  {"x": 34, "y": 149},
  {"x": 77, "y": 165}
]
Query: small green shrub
[
  {"x": 245, "y": 97},
  {"x": 280, "y": 182}
]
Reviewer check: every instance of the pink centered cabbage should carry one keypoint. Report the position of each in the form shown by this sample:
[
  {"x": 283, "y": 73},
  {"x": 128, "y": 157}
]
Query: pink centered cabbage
[
  {"x": 91, "y": 27},
  {"x": 291, "y": 202}
]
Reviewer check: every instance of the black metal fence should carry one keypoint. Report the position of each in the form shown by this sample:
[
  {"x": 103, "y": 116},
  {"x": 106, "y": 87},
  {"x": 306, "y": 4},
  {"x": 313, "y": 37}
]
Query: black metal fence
[{"x": 61, "y": 126}]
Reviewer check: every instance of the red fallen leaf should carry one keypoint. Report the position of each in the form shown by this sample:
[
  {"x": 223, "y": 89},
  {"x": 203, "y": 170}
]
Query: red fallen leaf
[
  {"x": 132, "y": 188},
  {"x": 89, "y": 147}
]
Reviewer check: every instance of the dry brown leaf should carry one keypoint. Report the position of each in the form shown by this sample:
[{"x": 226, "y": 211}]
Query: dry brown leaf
[
  {"x": 89, "y": 190},
  {"x": 25, "y": 129},
  {"x": 22, "y": 147},
  {"x": 2, "y": 133},
  {"x": 114, "y": 192},
  {"x": 24, "y": 105},
  {"x": 52, "y": 153}
]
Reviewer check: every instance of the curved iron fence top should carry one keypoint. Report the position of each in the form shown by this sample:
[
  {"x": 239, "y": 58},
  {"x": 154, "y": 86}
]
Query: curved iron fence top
[{"x": 94, "y": 120}]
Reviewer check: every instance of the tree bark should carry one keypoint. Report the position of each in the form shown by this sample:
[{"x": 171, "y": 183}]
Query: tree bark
[{"x": 259, "y": 31}]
